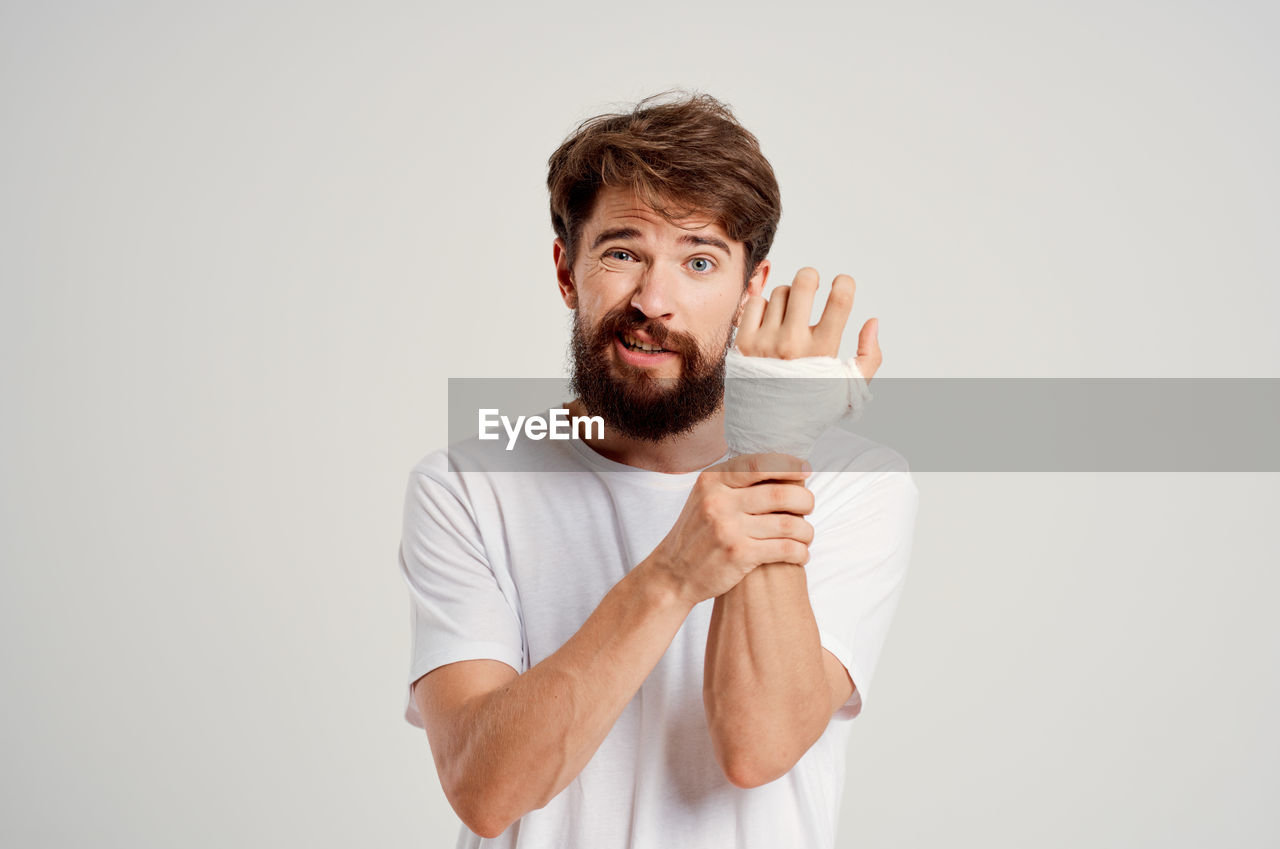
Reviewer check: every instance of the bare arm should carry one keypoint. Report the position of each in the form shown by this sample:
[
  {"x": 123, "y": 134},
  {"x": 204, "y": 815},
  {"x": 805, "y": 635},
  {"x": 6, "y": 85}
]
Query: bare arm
[
  {"x": 505, "y": 744},
  {"x": 769, "y": 687}
]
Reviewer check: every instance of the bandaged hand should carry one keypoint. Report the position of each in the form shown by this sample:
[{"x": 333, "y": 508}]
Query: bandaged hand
[{"x": 766, "y": 408}]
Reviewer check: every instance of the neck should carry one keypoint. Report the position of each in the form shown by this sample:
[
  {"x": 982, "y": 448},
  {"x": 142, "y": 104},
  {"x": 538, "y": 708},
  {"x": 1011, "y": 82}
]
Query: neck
[{"x": 675, "y": 455}]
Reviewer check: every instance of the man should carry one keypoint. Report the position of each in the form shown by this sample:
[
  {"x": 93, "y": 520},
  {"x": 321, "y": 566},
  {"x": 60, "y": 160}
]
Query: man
[{"x": 646, "y": 643}]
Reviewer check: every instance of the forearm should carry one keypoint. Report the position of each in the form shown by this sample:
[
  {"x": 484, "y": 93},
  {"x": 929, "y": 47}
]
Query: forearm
[
  {"x": 521, "y": 745},
  {"x": 764, "y": 685}
]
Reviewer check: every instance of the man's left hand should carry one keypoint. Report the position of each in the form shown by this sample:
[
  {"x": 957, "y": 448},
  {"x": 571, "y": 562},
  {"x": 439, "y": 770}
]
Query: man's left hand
[{"x": 779, "y": 327}]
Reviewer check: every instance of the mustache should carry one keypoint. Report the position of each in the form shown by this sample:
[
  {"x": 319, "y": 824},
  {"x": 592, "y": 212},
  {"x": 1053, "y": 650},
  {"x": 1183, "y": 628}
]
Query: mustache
[{"x": 624, "y": 321}]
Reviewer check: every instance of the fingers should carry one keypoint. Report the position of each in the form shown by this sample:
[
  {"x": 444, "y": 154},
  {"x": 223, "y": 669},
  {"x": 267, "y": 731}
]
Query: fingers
[
  {"x": 800, "y": 302},
  {"x": 777, "y": 308},
  {"x": 783, "y": 330},
  {"x": 835, "y": 315},
  {"x": 749, "y": 322},
  {"x": 748, "y": 469},
  {"x": 782, "y": 551},
  {"x": 765, "y": 498},
  {"x": 869, "y": 355},
  {"x": 780, "y": 526}
]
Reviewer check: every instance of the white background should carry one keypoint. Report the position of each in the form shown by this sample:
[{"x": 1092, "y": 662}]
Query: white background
[{"x": 244, "y": 245}]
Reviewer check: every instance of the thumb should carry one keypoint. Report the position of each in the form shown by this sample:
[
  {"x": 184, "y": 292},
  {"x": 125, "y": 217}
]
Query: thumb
[{"x": 869, "y": 355}]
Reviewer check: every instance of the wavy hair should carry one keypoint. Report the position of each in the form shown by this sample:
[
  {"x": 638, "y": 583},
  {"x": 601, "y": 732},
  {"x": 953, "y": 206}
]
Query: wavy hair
[{"x": 680, "y": 156}]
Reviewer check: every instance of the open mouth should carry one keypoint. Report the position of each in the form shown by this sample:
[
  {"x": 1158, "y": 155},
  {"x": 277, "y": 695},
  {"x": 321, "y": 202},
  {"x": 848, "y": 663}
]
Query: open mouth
[{"x": 631, "y": 343}]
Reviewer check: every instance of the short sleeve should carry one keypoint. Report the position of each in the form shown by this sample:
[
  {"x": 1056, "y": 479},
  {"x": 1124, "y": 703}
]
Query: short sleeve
[
  {"x": 457, "y": 608},
  {"x": 858, "y": 565}
]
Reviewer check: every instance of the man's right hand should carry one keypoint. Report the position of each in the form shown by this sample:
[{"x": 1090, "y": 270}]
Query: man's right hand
[{"x": 741, "y": 514}]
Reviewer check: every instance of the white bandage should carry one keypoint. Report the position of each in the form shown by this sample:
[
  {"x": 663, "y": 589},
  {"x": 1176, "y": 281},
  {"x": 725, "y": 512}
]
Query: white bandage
[{"x": 766, "y": 409}]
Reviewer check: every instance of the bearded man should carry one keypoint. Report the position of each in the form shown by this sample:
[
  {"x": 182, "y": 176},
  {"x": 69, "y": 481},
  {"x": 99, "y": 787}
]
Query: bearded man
[{"x": 650, "y": 641}]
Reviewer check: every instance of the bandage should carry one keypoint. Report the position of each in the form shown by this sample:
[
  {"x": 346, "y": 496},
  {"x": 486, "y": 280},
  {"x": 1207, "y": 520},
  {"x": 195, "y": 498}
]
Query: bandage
[{"x": 783, "y": 406}]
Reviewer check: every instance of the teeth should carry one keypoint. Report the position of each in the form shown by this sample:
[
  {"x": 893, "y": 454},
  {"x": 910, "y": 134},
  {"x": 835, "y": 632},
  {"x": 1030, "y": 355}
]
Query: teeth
[{"x": 633, "y": 342}]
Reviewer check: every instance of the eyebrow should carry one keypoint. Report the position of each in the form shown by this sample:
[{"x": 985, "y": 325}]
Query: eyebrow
[{"x": 633, "y": 233}]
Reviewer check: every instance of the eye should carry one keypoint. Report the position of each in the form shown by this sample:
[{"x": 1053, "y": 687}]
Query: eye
[
  {"x": 701, "y": 264},
  {"x": 618, "y": 253}
]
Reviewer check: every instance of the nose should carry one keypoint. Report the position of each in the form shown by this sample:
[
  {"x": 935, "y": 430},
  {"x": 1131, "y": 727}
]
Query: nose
[{"x": 655, "y": 292}]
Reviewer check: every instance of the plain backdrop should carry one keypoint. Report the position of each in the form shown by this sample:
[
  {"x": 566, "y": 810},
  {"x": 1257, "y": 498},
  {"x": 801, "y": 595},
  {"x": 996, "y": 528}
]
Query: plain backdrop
[{"x": 244, "y": 245}]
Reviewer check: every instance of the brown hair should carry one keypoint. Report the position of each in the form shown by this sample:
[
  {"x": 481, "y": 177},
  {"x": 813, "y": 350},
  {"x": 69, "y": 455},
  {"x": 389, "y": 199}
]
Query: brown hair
[{"x": 680, "y": 157}]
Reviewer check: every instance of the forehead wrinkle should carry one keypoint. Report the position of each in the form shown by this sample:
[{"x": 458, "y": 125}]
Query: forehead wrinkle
[
  {"x": 686, "y": 239},
  {"x": 709, "y": 241},
  {"x": 615, "y": 233},
  {"x": 628, "y": 232},
  {"x": 617, "y": 205}
]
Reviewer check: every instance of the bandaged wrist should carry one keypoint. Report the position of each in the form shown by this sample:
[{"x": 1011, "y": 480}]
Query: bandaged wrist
[{"x": 773, "y": 405}]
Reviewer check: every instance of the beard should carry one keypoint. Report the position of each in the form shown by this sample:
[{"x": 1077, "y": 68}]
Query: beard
[{"x": 635, "y": 403}]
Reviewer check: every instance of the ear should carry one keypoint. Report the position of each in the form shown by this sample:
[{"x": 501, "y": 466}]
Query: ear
[
  {"x": 564, "y": 275},
  {"x": 755, "y": 286}
]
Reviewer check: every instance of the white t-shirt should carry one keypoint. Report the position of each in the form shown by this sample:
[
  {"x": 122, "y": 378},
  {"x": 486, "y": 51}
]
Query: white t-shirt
[{"x": 508, "y": 565}]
